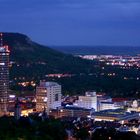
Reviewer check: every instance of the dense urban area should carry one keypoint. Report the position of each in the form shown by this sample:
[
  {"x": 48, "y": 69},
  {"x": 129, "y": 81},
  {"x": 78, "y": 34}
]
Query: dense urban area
[{"x": 100, "y": 101}]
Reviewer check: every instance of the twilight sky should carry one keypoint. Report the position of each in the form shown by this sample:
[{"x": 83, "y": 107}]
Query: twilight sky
[{"x": 73, "y": 22}]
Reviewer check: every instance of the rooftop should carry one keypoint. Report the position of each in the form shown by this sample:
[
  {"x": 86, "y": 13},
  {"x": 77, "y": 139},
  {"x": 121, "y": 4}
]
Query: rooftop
[{"x": 119, "y": 113}]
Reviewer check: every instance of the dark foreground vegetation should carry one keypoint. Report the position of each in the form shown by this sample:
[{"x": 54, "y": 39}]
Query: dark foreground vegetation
[
  {"x": 28, "y": 129},
  {"x": 36, "y": 128}
]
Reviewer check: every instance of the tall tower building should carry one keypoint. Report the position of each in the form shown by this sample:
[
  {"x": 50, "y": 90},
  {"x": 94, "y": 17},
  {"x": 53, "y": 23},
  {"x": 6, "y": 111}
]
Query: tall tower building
[
  {"x": 4, "y": 77},
  {"x": 48, "y": 95}
]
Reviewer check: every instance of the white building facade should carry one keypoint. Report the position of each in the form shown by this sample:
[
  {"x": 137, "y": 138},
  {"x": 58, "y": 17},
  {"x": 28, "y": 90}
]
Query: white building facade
[
  {"x": 48, "y": 95},
  {"x": 108, "y": 105},
  {"x": 89, "y": 101}
]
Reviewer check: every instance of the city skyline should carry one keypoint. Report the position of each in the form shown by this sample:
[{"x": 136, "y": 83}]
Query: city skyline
[
  {"x": 74, "y": 22},
  {"x": 69, "y": 84}
]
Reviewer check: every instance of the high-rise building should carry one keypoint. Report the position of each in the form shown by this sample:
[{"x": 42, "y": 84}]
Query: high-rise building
[
  {"x": 89, "y": 101},
  {"x": 48, "y": 95},
  {"x": 4, "y": 77}
]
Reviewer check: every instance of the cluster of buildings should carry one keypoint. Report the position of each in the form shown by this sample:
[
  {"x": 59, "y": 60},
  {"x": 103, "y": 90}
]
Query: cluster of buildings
[
  {"x": 9, "y": 105},
  {"x": 115, "y": 60},
  {"x": 49, "y": 99},
  {"x": 91, "y": 105}
]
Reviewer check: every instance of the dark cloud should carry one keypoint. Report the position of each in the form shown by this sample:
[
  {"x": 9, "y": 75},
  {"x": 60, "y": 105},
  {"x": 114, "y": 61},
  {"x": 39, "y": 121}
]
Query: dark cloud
[{"x": 74, "y": 22}]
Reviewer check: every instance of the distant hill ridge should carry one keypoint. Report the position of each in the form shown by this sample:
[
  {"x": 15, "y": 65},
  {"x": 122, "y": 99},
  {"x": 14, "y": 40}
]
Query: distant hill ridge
[{"x": 38, "y": 60}]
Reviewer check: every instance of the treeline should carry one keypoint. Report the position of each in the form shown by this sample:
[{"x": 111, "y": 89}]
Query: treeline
[{"x": 29, "y": 129}]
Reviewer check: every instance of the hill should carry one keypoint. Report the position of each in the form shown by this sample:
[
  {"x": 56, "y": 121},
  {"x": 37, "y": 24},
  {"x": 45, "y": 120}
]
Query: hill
[{"x": 34, "y": 60}]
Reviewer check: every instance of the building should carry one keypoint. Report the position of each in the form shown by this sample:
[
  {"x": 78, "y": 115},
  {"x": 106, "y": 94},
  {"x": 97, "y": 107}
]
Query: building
[
  {"x": 120, "y": 101},
  {"x": 119, "y": 115},
  {"x": 135, "y": 104},
  {"x": 4, "y": 78},
  {"x": 48, "y": 95},
  {"x": 71, "y": 111},
  {"x": 108, "y": 105},
  {"x": 89, "y": 101},
  {"x": 102, "y": 98}
]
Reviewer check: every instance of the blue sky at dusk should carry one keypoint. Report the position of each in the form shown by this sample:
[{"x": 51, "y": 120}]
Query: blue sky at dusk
[{"x": 73, "y": 22}]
